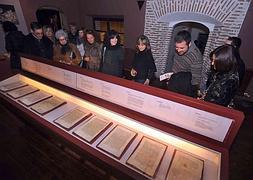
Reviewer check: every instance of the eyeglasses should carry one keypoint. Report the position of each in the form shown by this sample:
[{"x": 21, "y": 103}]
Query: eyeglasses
[{"x": 62, "y": 39}]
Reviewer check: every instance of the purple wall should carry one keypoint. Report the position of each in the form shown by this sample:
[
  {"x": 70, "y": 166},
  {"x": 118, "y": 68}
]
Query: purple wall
[
  {"x": 70, "y": 9},
  {"x": 80, "y": 11},
  {"x": 246, "y": 34},
  {"x": 133, "y": 17}
]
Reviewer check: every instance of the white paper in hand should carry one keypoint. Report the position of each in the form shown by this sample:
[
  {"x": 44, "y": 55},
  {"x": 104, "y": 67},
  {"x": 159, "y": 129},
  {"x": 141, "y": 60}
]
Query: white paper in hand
[{"x": 166, "y": 76}]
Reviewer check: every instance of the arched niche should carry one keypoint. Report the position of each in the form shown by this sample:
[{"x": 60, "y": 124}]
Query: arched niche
[{"x": 52, "y": 16}]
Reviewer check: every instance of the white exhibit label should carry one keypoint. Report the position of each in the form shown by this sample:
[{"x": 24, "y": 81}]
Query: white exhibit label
[
  {"x": 193, "y": 119},
  {"x": 59, "y": 75}
]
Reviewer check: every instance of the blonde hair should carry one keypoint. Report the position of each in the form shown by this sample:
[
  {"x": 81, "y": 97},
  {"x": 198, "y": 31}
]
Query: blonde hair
[{"x": 142, "y": 39}]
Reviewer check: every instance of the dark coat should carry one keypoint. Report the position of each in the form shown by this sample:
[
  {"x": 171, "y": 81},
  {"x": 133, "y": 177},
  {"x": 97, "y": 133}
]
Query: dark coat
[
  {"x": 41, "y": 48},
  {"x": 72, "y": 38},
  {"x": 14, "y": 43},
  {"x": 181, "y": 83},
  {"x": 241, "y": 69},
  {"x": 222, "y": 88},
  {"x": 144, "y": 65},
  {"x": 113, "y": 61}
]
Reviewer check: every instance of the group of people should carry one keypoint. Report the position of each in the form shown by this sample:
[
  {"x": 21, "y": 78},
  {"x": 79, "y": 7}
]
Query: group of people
[
  {"x": 217, "y": 83},
  {"x": 76, "y": 47},
  {"x": 82, "y": 48}
]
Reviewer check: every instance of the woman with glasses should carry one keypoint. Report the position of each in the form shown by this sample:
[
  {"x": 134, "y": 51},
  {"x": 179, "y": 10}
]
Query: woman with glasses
[{"x": 64, "y": 51}]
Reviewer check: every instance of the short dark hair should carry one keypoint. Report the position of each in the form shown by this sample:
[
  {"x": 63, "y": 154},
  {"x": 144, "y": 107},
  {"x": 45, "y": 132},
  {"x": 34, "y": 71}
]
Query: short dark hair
[
  {"x": 225, "y": 60},
  {"x": 9, "y": 26},
  {"x": 35, "y": 25},
  {"x": 183, "y": 36},
  {"x": 45, "y": 27},
  {"x": 110, "y": 35},
  {"x": 235, "y": 42}
]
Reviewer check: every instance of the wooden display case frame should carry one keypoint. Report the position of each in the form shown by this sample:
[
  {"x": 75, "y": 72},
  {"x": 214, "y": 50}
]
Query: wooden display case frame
[{"x": 222, "y": 147}]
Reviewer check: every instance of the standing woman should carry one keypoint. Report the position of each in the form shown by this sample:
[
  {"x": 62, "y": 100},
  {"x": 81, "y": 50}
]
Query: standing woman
[
  {"x": 80, "y": 41},
  {"x": 49, "y": 33},
  {"x": 92, "y": 49},
  {"x": 64, "y": 51},
  {"x": 113, "y": 55},
  {"x": 224, "y": 82},
  {"x": 14, "y": 43},
  {"x": 143, "y": 66}
]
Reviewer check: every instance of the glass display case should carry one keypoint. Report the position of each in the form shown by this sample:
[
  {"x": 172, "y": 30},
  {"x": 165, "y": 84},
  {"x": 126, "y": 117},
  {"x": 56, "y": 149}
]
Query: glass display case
[{"x": 142, "y": 131}]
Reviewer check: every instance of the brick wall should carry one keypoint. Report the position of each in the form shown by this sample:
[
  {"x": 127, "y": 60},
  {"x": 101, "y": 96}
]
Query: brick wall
[{"x": 228, "y": 13}]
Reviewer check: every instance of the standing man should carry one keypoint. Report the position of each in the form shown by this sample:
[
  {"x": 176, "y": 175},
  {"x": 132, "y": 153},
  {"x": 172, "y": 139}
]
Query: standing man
[
  {"x": 14, "y": 43},
  {"x": 189, "y": 59},
  {"x": 37, "y": 44},
  {"x": 73, "y": 34}
]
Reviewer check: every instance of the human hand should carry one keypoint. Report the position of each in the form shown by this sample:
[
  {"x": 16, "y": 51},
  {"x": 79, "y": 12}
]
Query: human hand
[
  {"x": 133, "y": 72},
  {"x": 147, "y": 82},
  {"x": 200, "y": 95}
]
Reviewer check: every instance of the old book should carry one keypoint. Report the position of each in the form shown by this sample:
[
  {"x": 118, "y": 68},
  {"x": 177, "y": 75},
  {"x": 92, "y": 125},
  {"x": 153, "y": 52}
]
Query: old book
[
  {"x": 13, "y": 85},
  {"x": 72, "y": 118},
  {"x": 33, "y": 98},
  {"x": 47, "y": 105},
  {"x": 185, "y": 166},
  {"x": 116, "y": 142},
  {"x": 147, "y": 156},
  {"x": 17, "y": 93},
  {"x": 91, "y": 129}
]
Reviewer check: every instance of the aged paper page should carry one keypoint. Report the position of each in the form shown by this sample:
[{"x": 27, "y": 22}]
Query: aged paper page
[
  {"x": 71, "y": 118},
  {"x": 11, "y": 86},
  {"x": 185, "y": 166},
  {"x": 34, "y": 98},
  {"x": 22, "y": 91},
  {"x": 117, "y": 140},
  {"x": 92, "y": 128},
  {"x": 47, "y": 105},
  {"x": 147, "y": 156}
]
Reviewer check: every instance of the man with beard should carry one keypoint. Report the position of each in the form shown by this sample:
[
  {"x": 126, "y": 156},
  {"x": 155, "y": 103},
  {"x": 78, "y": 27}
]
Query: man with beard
[{"x": 187, "y": 65}]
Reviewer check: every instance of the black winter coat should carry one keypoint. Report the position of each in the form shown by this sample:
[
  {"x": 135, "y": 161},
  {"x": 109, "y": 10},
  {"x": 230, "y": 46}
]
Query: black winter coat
[
  {"x": 113, "y": 58},
  {"x": 41, "y": 48},
  {"x": 222, "y": 88},
  {"x": 144, "y": 64},
  {"x": 14, "y": 43}
]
